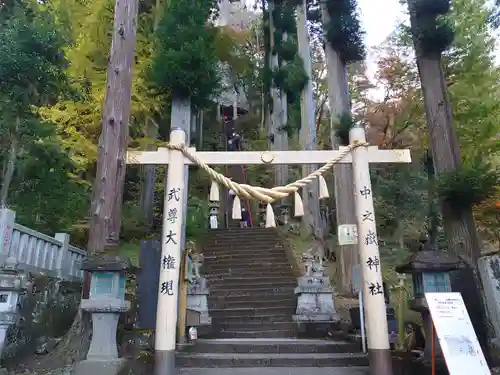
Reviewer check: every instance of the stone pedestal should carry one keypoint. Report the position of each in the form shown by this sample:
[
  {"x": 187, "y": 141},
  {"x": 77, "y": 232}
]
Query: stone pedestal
[
  {"x": 315, "y": 308},
  {"x": 106, "y": 302},
  {"x": 197, "y": 299}
]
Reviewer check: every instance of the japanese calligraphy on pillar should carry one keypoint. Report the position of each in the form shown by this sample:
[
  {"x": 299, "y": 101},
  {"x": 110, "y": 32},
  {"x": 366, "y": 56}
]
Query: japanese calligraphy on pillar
[
  {"x": 171, "y": 235},
  {"x": 368, "y": 235}
]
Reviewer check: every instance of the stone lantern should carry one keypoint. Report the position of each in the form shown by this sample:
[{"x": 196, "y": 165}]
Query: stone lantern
[
  {"x": 429, "y": 269},
  {"x": 213, "y": 214},
  {"x": 12, "y": 285},
  {"x": 106, "y": 302}
]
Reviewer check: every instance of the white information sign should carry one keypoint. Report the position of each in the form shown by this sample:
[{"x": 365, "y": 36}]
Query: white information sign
[
  {"x": 348, "y": 234},
  {"x": 456, "y": 335}
]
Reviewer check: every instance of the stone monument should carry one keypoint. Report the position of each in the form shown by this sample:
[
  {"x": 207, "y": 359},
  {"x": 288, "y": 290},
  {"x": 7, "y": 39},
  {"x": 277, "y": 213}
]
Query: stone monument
[{"x": 315, "y": 308}]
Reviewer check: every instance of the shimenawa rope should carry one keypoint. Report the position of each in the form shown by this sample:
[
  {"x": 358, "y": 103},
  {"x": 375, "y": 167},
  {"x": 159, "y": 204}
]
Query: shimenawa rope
[{"x": 260, "y": 193}]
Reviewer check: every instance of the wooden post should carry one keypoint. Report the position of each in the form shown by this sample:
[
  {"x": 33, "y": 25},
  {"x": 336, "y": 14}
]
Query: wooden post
[
  {"x": 376, "y": 318},
  {"x": 107, "y": 191},
  {"x": 168, "y": 283},
  {"x": 183, "y": 288}
]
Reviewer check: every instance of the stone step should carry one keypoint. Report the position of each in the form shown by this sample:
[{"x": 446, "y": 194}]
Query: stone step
[
  {"x": 258, "y": 230},
  {"x": 238, "y": 278},
  {"x": 272, "y": 346},
  {"x": 271, "y": 333},
  {"x": 280, "y": 301},
  {"x": 252, "y": 284},
  {"x": 242, "y": 244},
  {"x": 250, "y": 238},
  {"x": 246, "y": 254},
  {"x": 270, "y": 360},
  {"x": 243, "y": 255},
  {"x": 256, "y": 289},
  {"x": 253, "y": 325},
  {"x": 252, "y": 294},
  {"x": 276, "y": 371},
  {"x": 261, "y": 319},
  {"x": 251, "y": 311},
  {"x": 251, "y": 273},
  {"x": 248, "y": 241},
  {"x": 264, "y": 259},
  {"x": 253, "y": 266},
  {"x": 235, "y": 235},
  {"x": 265, "y": 279}
]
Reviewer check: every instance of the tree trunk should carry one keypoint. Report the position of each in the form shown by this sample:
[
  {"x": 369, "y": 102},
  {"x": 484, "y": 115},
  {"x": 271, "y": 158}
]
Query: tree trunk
[
  {"x": 310, "y": 195},
  {"x": 459, "y": 226},
  {"x": 339, "y": 103},
  {"x": 11, "y": 166},
  {"x": 107, "y": 190},
  {"x": 282, "y": 134},
  {"x": 275, "y": 142},
  {"x": 148, "y": 178}
]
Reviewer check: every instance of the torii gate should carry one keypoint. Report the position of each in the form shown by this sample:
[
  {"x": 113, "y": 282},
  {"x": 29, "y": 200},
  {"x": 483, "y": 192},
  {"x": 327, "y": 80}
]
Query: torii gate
[{"x": 177, "y": 155}]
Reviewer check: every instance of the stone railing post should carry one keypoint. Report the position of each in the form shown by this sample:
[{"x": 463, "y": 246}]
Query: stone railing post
[
  {"x": 7, "y": 220},
  {"x": 62, "y": 255}
]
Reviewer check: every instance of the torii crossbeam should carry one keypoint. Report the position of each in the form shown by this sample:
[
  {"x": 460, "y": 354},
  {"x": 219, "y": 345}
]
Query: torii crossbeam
[{"x": 360, "y": 157}]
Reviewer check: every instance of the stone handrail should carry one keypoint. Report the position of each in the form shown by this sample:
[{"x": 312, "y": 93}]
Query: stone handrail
[{"x": 37, "y": 252}]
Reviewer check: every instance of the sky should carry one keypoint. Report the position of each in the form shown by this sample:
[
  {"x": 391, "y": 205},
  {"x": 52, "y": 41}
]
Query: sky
[{"x": 379, "y": 21}]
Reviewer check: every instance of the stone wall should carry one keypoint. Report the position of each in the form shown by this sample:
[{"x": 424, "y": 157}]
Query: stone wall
[{"x": 45, "y": 313}]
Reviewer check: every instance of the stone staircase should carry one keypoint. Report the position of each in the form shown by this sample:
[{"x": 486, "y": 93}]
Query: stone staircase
[{"x": 251, "y": 303}]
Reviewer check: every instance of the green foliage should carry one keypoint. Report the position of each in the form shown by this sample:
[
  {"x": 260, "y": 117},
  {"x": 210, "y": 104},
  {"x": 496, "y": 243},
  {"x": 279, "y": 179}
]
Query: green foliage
[
  {"x": 290, "y": 75},
  {"x": 344, "y": 32},
  {"x": 474, "y": 80},
  {"x": 433, "y": 32},
  {"x": 32, "y": 57},
  {"x": 474, "y": 183},
  {"x": 343, "y": 126},
  {"x": 197, "y": 219},
  {"x": 184, "y": 61},
  {"x": 292, "y": 78}
]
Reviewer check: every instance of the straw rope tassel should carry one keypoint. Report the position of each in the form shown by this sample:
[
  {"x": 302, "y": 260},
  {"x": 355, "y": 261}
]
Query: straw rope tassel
[
  {"x": 298, "y": 206},
  {"x": 323, "y": 188},
  {"x": 214, "y": 192},
  {"x": 236, "y": 214},
  {"x": 270, "y": 220}
]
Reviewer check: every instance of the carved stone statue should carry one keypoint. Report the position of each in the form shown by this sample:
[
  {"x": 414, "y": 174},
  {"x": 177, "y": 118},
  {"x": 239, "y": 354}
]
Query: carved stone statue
[{"x": 197, "y": 263}]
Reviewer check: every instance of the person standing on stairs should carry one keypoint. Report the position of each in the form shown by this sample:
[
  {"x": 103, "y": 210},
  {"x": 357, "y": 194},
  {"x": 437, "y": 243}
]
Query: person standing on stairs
[
  {"x": 230, "y": 144},
  {"x": 245, "y": 218}
]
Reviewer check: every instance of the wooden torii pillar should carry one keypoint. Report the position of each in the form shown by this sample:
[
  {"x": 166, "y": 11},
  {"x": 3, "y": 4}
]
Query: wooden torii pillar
[{"x": 168, "y": 284}]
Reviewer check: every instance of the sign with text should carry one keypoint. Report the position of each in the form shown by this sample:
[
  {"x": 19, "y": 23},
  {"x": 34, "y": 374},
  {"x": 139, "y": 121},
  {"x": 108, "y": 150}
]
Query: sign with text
[
  {"x": 348, "y": 234},
  {"x": 457, "y": 338}
]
